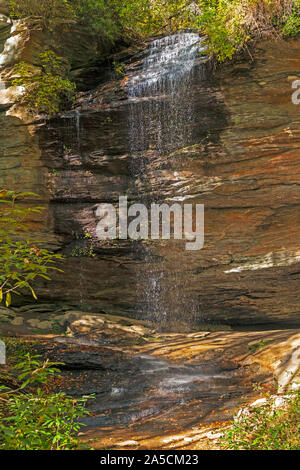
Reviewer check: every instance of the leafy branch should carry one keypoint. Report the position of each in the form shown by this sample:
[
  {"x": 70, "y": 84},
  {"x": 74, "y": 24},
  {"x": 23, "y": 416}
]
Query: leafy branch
[{"x": 21, "y": 261}]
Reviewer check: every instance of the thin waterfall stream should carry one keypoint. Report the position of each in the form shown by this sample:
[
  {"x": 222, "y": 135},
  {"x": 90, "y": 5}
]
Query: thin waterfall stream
[{"x": 160, "y": 121}]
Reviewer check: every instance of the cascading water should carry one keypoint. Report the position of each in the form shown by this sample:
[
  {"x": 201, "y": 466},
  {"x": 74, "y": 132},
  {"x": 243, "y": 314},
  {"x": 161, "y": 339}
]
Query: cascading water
[
  {"x": 161, "y": 108},
  {"x": 7, "y": 57},
  {"x": 160, "y": 122}
]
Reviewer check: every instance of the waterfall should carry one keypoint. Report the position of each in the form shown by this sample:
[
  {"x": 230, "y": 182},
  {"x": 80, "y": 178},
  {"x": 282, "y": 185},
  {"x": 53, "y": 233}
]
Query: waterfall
[
  {"x": 169, "y": 61},
  {"x": 161, "y": 108},
  {"x": 10, "y": 45},
  {"x": 7, "y": 57},
  {"x": 160, "y": 122}
]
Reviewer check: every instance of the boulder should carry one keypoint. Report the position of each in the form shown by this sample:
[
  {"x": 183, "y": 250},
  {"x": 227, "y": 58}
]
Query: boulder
[
  {"x": 109, "y": 328},
  {"x": 17, "y": 321}
]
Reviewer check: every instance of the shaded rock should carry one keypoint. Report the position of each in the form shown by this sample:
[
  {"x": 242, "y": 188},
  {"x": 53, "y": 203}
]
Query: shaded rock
[
  {"x": 17, "y": 321},
  {"x": 6, "y": 314},
  {"x": 245, "y": 173},
  {"x": 76, "y": 357},
  {"x": 4, "y": 7},
  {"x": 45, "y": 325},
  {"x": 41, "y": 325},
  {"x": 6, "y": 311}
]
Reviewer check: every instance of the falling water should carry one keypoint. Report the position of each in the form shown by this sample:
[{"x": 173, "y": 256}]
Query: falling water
[
  {"x": 161, "y": 109},
  {"x": 7, "y": 57},
  {"x": 160, "y": 122}
]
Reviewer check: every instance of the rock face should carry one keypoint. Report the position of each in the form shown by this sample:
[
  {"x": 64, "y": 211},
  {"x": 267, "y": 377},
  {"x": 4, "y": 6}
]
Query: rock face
[{"x": 240, "y": 160}]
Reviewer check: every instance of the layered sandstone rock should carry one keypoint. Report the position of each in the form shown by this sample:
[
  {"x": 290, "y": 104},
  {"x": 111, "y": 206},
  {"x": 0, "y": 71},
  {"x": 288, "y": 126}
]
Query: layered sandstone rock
[{"x": 241, "y": 163}]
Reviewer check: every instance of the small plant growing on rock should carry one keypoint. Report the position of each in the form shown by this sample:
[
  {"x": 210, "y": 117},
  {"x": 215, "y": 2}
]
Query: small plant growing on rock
[
  {"x": 119, "y": 69},
  {"x": 257, "y": 346},
  {"x": 46, "y": 89}
]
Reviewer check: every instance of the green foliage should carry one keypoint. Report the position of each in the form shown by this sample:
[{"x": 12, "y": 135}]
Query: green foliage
[
  {"x": 21, "y": 261},
  {"x": 231, "y": 24},
  {"x": 173, "y": 15},
  {"x": 119, "y": 69},
  {"x": 17, "y": 348},
  {"x": 111, "y": 19},
  {"x": 85, "y": 252},
  {"x": 257, "y": 346},
  {"x": 144, "y": 18},
  {"x": 131, "y": 18},
  {"x": 267, "y": 428},
  {"x": 98, "y": 16},
  {"x": 41, "y": 420},
  {"x": 35, "y": 372},
  {"x": 292, "y": 27},
  {"x": 49, "y": 13},
  {"x": 220, "y": 22},
  {"x": 46, "y": 90}
]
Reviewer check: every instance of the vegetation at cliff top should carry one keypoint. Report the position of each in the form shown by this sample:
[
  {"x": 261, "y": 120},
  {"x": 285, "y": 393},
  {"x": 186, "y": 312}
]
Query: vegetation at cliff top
[
  {"x": 49, "y": 13},
  {"x": 232, "y": 24},
  {"x": 229, "y": 25},
  {"x": 21, "y": 259}
]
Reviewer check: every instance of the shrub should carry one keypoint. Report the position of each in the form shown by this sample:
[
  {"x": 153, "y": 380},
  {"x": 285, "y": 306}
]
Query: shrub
[
  {"x": 222, "y": 23},
  {"x": 231, "y": 24},
  {"x": 41, "y": 420},
  {"x": 267, "y": 428},
  {"x": 49, "y": 13},
  {"x": 292, "y": 27},
  {"x": 141, "y": 17},
  {"x": 99, "y": 16},
  {"x": 46, "y": 90},
  {"x": 111, "y": 19},
  {"x": 21, "y": 261}
]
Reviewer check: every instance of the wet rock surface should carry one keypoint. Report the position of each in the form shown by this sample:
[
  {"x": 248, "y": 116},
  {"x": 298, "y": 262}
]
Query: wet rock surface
[
  {"x": 132, "y": 388},
  {"x": 180, "y": 390},
  {"x": 169, "y": 390},
  {"x": 84, "y": 357}
]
